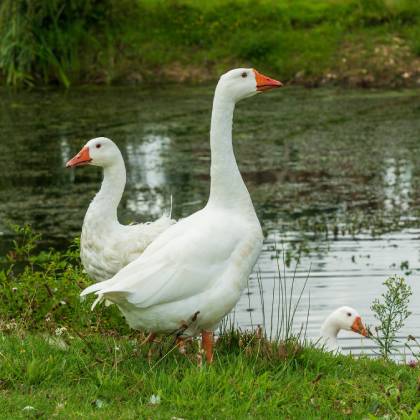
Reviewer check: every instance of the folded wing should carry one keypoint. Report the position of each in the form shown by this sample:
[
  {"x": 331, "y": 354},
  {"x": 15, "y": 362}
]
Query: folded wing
[{"x": 176, "y": 267}]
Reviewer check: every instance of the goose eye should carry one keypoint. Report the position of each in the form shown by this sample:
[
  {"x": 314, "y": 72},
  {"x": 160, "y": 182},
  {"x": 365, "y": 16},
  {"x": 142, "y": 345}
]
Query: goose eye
[
  {"x": 348, "y": 313},
  {"x": 244, "y": 74},
  {"x": 98, "y": 146}
]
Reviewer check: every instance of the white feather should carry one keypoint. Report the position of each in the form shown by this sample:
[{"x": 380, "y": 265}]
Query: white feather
[
  {"x": 201, "y": 264},
  {"x": 106, "y": 246}
]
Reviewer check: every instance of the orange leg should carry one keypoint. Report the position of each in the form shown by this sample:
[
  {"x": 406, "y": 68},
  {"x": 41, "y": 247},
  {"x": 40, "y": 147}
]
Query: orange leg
[
  {"x": 207, "y": 345},
  {"x": 180, "y": 342},
  {"x": 149, "y": 339}
]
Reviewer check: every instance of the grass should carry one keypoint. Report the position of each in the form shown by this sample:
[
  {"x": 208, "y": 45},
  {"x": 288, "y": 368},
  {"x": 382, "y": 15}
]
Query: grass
[
  {"x": 103, "y": 377},
  {"x": 353, "y": 41}
]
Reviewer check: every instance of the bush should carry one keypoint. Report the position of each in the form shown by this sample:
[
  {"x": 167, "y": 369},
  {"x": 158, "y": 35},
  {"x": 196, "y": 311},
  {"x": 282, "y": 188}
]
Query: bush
[
  {"x": 40, "y": 290},
  {"x": 391, "y": 312}
]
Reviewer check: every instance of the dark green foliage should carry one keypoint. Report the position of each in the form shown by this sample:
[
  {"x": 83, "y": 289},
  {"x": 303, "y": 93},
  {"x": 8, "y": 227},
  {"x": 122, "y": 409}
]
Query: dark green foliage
[
  {"x": 56, "y": 41},
  {"x": 44, "y": 41},
  {"x": 40, "y": 290}
]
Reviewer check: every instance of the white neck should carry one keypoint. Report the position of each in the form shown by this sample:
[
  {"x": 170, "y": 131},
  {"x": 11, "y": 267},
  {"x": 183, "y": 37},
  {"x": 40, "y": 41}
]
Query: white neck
[
  {"x": 329, "y": 333},
  {"x": 227, "y": 187},
  {"x": 104, "y": 206}
]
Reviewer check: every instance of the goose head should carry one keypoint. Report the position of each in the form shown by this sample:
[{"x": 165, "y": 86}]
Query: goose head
[
  {"x": 344, "y": 318},
  {"x": 242, "y": 83},
  {"x": 99, "y": 151}
]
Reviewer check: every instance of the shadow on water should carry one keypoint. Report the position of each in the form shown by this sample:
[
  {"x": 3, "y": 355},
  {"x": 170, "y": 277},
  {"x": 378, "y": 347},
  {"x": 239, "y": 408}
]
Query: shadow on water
[{"x": 334, "y": 175}]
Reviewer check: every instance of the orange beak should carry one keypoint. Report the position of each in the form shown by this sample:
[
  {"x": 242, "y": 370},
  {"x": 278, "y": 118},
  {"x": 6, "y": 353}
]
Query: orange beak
[
  {"x": 82, "y": 158},
  {"x": 359, "y": 327},
  {"x": 265, "y": 83}
]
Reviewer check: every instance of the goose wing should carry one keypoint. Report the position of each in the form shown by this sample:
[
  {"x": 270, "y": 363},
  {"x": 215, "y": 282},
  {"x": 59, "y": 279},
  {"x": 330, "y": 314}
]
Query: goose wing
[{"x": 185, "y": 260}]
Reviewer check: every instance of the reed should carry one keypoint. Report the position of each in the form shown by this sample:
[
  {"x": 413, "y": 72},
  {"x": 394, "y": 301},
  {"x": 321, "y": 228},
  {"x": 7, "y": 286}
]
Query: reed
[
  {"x": 51, "y": 41},
  {"x": 277, "y": 309}
]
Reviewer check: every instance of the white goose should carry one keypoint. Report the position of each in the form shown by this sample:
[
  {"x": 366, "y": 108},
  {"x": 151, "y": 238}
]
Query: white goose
[
  {"x": 193, "y": 274},
  {"x": 343, "y": 318},
  {"x": 106, "y": 246}
]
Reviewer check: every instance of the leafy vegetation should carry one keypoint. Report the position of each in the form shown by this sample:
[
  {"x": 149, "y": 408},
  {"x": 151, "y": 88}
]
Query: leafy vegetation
[
  {"x": 40, "y": 289},
  {"x": 391, "y": 313},
  {"x": 362, "y": 42},
  {"x": 43, "y": 41}
]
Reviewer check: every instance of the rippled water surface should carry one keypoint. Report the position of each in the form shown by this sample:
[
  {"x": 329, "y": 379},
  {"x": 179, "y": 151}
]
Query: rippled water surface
[{"x": 334, "y": 176}]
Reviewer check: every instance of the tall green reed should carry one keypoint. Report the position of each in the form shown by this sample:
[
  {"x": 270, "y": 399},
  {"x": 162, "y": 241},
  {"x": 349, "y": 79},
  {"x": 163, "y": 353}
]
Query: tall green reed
[
  {"x": 278, "y": 308},
  {"x": 55, "y": 41}
]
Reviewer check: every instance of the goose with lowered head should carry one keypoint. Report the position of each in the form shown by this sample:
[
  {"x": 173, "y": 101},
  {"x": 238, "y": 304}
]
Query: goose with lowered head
[
  {"x": 193, "y": 274},
  {"x": 343, "y": 318},
  {"x": 106, "y": 246}
]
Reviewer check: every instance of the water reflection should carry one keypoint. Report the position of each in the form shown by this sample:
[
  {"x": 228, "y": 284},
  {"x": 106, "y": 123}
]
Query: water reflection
[
  {"x": 351, "y": 273},
  {"x": 146, "y": 161},
  {"x": 65, "y": 151},
  {"x": 397, "y": 183}
]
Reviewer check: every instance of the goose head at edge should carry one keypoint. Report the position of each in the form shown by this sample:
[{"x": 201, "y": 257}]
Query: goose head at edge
[{"x": 343, "y": 318}]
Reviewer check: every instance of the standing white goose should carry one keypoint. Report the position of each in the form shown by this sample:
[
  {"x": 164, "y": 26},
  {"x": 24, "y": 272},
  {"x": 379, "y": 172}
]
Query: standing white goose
[
  {"x": 106, "y": 246},
  {"x": 193, "y": 274},
  {"x": 343, "y": 318}
]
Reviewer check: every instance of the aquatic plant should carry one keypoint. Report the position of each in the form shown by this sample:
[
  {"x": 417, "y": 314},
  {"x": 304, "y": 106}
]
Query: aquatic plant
[
  {"x": 391, "y": 311},
  {"x": 283, "y": 309},
  {"x": 278, "y": 327}
]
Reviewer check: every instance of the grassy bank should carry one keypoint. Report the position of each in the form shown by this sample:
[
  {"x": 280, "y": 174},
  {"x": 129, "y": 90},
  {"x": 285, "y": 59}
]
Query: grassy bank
[
  {"x": 57, "y": 358},
  {"x": 108, "y": 377},
  {"x": 355, "y": 42}
]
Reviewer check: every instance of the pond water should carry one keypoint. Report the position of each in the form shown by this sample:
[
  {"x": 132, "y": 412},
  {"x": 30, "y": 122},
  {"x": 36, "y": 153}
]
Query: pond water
[{"x": 334, "y": 176}]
